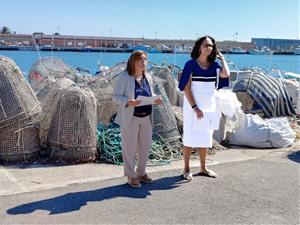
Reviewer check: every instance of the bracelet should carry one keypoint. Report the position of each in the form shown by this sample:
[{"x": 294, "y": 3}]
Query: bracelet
[{"x": 194, "y": 106}]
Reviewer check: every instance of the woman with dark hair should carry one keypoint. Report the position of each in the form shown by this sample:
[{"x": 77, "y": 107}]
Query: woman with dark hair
[
  {"x": 135, "y": 121},
  {"x": 200, "y": 78}
]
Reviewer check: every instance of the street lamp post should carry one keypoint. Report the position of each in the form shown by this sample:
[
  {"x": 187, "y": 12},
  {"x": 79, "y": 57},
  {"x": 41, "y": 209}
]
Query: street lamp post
[{"x": 110, "y": 37}]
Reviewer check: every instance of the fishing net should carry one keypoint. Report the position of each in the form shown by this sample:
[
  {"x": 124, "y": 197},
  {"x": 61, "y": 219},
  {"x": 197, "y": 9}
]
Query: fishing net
[
  {"x": 115, "y": 70},
  {"x": 47, "y": 67},
  {"x": 79, "y": 77},
  {"x": 179, "y": 118},
  {"x": 19, "y": 108},
  {"x": 169, "y": 82},
  {"x": 54, "y": 68},
  {"x": 165, "y": 124},
  {"x": 103, "y": 87},
  {"x": 68, "y": 124},
  {"x": 50, "y": 82},
  {"x": 109, "y": 144},
  {"x": 110, "y": 149}
]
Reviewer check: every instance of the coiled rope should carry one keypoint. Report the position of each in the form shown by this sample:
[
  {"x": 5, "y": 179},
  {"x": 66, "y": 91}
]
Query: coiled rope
[{"x": 109, "y": 141}]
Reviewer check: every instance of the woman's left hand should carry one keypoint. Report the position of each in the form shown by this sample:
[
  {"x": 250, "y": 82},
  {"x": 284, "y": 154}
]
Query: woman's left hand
[
  {"x": 219, "y": 55},
  {"x": 158, "y": 101}
]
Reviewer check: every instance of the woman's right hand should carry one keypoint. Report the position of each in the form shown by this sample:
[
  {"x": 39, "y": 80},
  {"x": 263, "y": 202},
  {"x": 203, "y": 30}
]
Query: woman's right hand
[
  {"x": 133, "y": 102},
  {"x": 199, "y": 113}
]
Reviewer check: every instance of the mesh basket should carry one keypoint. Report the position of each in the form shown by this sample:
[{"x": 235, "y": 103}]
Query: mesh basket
[
  {"x": 47, "y": 67},
  {"x": 103, "y": 87},
  {"x": 170, "y": 83},
  {"x": 19, "y": 108},
  {"x": 178, "y": 112},
  {"x": 20, "y": 145},
  {"x": 165, "y": 124},
  {"x": 50, "y": 82},
  {"x": 68, "y": 124}
]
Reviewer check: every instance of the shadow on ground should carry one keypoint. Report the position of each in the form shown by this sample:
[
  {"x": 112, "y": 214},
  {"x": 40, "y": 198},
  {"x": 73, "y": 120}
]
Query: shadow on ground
[
  {"x": 294, "y": 156},
  {"x": 74, "y": 201}
]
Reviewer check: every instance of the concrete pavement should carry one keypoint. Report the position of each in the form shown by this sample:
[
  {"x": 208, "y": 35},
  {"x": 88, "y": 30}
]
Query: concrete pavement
[
  {"x": 254, "y": 187},
  {"x": 33, "y": 177},
  {"x": 255, "y": 191}
]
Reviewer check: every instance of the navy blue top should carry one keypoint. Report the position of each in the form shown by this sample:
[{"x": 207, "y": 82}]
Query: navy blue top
[
  {"x": 143, "y": 90},
  {"x": 191, "y": 67}
]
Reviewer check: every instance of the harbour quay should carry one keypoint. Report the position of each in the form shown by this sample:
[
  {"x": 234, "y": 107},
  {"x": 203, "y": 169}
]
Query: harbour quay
[{"x": 72, "y": 43}]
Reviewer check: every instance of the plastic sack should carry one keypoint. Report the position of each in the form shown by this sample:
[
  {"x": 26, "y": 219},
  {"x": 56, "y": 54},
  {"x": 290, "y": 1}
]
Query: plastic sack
[
  {"x": 259, "y": 133},
  {"x": 229, "y": 104}
]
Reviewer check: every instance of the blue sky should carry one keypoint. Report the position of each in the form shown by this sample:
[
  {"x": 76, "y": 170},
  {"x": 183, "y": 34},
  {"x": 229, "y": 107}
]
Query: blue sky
[{"x": 166, "y": 19}]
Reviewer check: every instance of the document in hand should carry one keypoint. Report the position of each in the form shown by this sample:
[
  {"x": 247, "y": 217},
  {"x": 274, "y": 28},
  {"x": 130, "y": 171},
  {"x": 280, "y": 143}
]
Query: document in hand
[
  {"x": 210, "y": 121},
  {"x": 147, "y": 100}
]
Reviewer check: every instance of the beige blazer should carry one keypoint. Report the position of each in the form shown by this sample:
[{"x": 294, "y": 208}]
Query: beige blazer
[{"x": 124, "y": 90}]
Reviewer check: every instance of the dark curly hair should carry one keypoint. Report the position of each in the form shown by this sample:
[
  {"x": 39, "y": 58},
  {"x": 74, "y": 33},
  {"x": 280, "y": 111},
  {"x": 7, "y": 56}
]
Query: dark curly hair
[{"x": 196, "y": 50}]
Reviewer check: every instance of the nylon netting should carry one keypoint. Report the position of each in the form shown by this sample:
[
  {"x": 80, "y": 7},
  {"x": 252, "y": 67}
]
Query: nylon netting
[
  {"x": 169, "y": 82},
  {"x": 19, "y": 109},
  {"x": 50, "y": 82},
  {"x": 68, "y": 124},
  {"x": 165, "y": 124},
  {"x": 54, "y": 68},
  {"x": 103, "y": 86}
]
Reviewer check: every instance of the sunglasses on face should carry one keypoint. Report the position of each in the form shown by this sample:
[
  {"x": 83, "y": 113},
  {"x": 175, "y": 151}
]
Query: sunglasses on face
[{"x": 208, "y": 46}]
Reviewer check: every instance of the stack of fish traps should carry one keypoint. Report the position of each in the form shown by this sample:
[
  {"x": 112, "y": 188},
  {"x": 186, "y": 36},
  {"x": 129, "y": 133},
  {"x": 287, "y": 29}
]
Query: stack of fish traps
[
  {"x": 48, "y": 83},
  {"x": 170, "y": 84},
  {"x": 19, "y": 109},
  {"x": 47, "y": 67},
  {"x": 68, "y": 117},
  {"x": 103, "y": 87},
  {"x": 165, "y": 124},
  {"x": 68, "y": 124}
]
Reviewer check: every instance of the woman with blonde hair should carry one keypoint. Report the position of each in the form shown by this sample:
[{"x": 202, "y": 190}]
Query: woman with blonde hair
[{"x": 135, "y": 121}]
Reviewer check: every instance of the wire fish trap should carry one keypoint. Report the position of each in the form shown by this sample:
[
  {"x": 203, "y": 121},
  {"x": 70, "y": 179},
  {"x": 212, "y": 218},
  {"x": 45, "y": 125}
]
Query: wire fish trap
[
  {"x": 68, "y": 124},
  {"x": 106, "y": 107},
  {"x": 49, "y": 83},
  {"x": 19, "y": 108},
  {"x": 103, "y": 87},
  {"x": 178, "y": 112},
  {"x": 48, "y": 67},
  {"x": 170, "y": 83},
  {"x": 165, "y": 123}
]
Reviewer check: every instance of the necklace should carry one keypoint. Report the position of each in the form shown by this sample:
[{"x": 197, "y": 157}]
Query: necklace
[
  {"x": 203, "y": 65},
  {"x": 139, "y": 78}
]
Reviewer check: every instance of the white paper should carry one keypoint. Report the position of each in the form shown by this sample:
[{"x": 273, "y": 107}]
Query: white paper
[
  {"x": 147, "y": 100},
  {"x": 210, "y": 121}
]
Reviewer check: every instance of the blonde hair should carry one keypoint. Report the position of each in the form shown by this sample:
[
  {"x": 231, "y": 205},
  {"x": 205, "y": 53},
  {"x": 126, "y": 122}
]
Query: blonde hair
[{"x": 136, "y": 55}]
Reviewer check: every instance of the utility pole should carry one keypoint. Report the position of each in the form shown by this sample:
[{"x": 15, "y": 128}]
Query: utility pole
[{"x": 110, "y": 38}]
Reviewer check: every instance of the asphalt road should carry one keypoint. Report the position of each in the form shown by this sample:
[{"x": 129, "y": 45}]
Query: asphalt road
[{"x": 260, "y": 191}]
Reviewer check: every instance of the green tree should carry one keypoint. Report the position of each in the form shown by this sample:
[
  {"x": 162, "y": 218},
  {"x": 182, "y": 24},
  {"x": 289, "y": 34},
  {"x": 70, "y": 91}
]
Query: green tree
[{"x": 5, "y": 30}]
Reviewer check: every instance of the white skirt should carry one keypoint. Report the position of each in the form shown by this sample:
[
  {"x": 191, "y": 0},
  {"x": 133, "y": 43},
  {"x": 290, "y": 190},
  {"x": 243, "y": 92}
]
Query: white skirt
[{"x": 204, "y": 94}]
